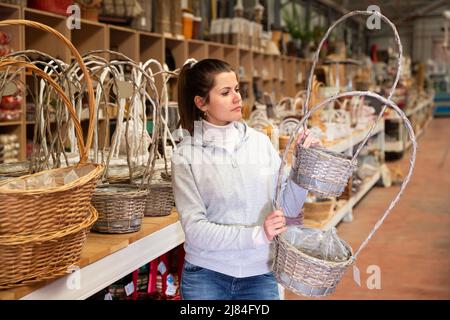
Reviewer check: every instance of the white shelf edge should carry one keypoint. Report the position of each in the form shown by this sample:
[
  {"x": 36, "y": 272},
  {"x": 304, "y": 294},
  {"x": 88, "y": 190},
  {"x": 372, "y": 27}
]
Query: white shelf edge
[
  {"x": 98, "y": 275},
  {"x": 346, "y": 209}
]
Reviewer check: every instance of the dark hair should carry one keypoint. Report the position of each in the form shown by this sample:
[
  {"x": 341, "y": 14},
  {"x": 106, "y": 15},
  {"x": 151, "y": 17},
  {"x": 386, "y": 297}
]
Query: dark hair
[{"x": 197, "y": 80}]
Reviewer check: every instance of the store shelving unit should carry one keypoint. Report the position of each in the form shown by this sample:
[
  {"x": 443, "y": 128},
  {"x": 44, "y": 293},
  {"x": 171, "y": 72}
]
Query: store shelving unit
[
  {"x": 399, "y": 142},
  {"x": 106, "y": 259},
  {"x": 269, "y": 73},
  {"x": 344, "y": 211}
]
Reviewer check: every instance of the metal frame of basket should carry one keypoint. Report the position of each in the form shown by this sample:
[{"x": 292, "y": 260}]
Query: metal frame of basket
[
  {"x": 120, "y": 209},
  {"x": 37, "y": 215},
  {"x": 303, "y": 274},
  {"x": 334, "y": 169}
]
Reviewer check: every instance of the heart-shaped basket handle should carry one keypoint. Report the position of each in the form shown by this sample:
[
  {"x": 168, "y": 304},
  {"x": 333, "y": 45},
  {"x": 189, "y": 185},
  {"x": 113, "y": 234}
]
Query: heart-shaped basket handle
[
  {"x": 83, "y": 147},
  {"x": 409, "y": 128}
]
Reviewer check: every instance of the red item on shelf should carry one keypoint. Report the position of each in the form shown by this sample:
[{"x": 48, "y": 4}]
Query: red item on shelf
[
  {"x": 11, "y": 102},
  {"x": 58, "y": 7}
]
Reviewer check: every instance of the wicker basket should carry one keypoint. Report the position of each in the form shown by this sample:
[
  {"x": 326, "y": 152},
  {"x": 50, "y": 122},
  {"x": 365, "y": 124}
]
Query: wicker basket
[
  {"x": 323, "y": 172},
  {"x": 120, "y": 208},
  {"x": 30, "y": 258},
  {"x": 120, "y": 173},
  {"x": 160, "y": 200},
  {"x": 15, "y": 169},
  {"x": 52, "y": 221},
  {"x": 304, "y": 274},
  {"x": 294, "y": 269}
]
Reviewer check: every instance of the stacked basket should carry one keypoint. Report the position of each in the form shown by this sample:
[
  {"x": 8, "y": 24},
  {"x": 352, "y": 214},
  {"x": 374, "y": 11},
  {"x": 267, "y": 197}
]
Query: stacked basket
[{"x": 43, "y": 228}]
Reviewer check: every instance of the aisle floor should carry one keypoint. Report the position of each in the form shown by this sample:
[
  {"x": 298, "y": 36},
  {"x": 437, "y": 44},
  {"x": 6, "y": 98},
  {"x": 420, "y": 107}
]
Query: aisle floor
[{"x": 412, "y": 247}]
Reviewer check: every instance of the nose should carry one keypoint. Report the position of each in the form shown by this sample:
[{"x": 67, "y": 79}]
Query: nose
[{"x": 236, "y": 97}]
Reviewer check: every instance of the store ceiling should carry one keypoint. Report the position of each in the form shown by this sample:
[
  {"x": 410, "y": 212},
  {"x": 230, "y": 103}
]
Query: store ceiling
[{"x": 399, "y": 11}]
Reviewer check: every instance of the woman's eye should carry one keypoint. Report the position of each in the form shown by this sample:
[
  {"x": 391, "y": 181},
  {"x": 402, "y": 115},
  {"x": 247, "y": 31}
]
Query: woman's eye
[
  {"x": 225, "y": 93},
  {"x": 237, "y": 90}
]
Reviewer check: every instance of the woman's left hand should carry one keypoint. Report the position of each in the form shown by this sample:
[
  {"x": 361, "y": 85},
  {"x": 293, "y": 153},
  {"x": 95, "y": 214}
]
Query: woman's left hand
[{"x": 310, "y": 140}]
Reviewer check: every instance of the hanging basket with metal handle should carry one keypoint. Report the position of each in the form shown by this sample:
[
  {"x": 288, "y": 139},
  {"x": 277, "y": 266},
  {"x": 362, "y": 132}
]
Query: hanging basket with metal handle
[
  {"x": 317, "y": 169},
  {"x": 326, "y": 174},
  {"x": 36, "y": 216},
  {"x": 308, "y": 275}
]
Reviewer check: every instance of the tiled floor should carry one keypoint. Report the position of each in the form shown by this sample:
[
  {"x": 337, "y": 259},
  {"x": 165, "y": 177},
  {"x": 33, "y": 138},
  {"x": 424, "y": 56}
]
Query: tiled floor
[{"x": 412, "y": 247}]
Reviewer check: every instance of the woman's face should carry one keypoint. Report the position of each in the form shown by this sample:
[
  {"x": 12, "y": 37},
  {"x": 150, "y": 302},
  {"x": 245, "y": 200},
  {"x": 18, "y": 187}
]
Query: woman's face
[{"x": 225, "y": 103}]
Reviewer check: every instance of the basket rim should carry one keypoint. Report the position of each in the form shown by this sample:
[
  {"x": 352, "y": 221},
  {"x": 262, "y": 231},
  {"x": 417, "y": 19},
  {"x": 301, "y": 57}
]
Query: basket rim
[
  {"x": 326, "y": 152},
  {"x": 137, "y": 192},
  {"x": 93, "y": 174},
  {"x": 17, "y": 239},
  {"x": 348, "y": 262}
]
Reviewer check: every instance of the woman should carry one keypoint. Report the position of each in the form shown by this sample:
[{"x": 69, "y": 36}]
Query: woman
[{"x": 224, "y": 177}]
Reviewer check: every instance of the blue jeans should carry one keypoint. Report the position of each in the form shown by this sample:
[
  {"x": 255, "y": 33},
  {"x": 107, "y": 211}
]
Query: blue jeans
[{"x": 199, "y": 283}]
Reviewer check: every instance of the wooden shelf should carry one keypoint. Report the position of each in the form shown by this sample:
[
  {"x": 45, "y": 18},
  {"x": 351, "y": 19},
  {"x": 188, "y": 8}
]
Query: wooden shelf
[
  {"x": 10, "y": 123},
  {"x": 124, "y": 40},
  {"x": 108, "y": 257},
  {"x": 197, "y": 49},
  {"x": 45, "y": 41},
  {"x": 96, "y": 40},
  {"x": 216, "y": 51}
]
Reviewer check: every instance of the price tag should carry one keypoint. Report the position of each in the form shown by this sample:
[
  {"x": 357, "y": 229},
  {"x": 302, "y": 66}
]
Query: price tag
[
  {"x": 108, "y": 296},
  {"x": 129, "y": 288},
  {"x": 162, "y": 268},
  {"x": 356, "y": 275}
]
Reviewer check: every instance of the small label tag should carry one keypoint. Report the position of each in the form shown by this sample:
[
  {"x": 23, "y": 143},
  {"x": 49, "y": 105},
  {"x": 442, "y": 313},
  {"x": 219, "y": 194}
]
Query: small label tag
[
  {"x": 129, "y": 288},
  {"x": 171, "y": 290},
  {"x": 9, "y": 89},
  {"x": 162, "y": 268},
  {"x": 125, "y": 89},
  {"x": 108, "y": 296},
  {"x": 356, "y": 275}
]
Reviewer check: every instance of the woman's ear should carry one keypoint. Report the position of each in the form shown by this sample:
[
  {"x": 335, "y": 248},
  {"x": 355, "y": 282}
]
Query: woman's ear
[{"x": 200, "y": 103}]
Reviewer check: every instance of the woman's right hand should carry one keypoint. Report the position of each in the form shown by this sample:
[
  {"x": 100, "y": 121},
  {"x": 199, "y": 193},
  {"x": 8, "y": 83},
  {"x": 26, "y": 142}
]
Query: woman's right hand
[{"x": 274, "y": 224}]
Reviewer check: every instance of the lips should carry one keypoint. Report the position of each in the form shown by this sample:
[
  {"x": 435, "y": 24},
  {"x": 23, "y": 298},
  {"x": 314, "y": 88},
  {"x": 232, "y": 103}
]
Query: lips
[{"x": 237, "y": 109}]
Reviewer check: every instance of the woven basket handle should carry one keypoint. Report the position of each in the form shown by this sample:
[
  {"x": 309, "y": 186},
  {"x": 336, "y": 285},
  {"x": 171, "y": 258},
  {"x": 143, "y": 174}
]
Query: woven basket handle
[
  {"x": 411, "y": 161},
  {"x": 316, "y": 58},
  {"x": 7, "y": 63},
  {"x": 84, "y": 148}
]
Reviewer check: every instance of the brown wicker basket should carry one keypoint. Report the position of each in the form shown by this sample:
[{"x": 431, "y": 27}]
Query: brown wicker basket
[
  {"x": 28, "y": 258},
  {"x": 120, "y": 208},
  {"x": 41, "y": 217},
  {"x": 160, "y": 200}
]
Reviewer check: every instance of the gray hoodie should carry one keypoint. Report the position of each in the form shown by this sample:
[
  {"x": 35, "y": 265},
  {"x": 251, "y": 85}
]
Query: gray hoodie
[{"x": 223, "y": 198}]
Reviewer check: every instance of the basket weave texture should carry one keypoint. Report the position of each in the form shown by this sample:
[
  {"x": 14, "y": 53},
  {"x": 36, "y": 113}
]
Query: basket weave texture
[
  {"x": 31, "y": 258},
  {"x": 160, "y": 200},
  {"x": 120, "y": 207},
  {"x": 323, "y": 172},
  {"x": 304, "y": 274},
  {"x": 42, "y": 228}
]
